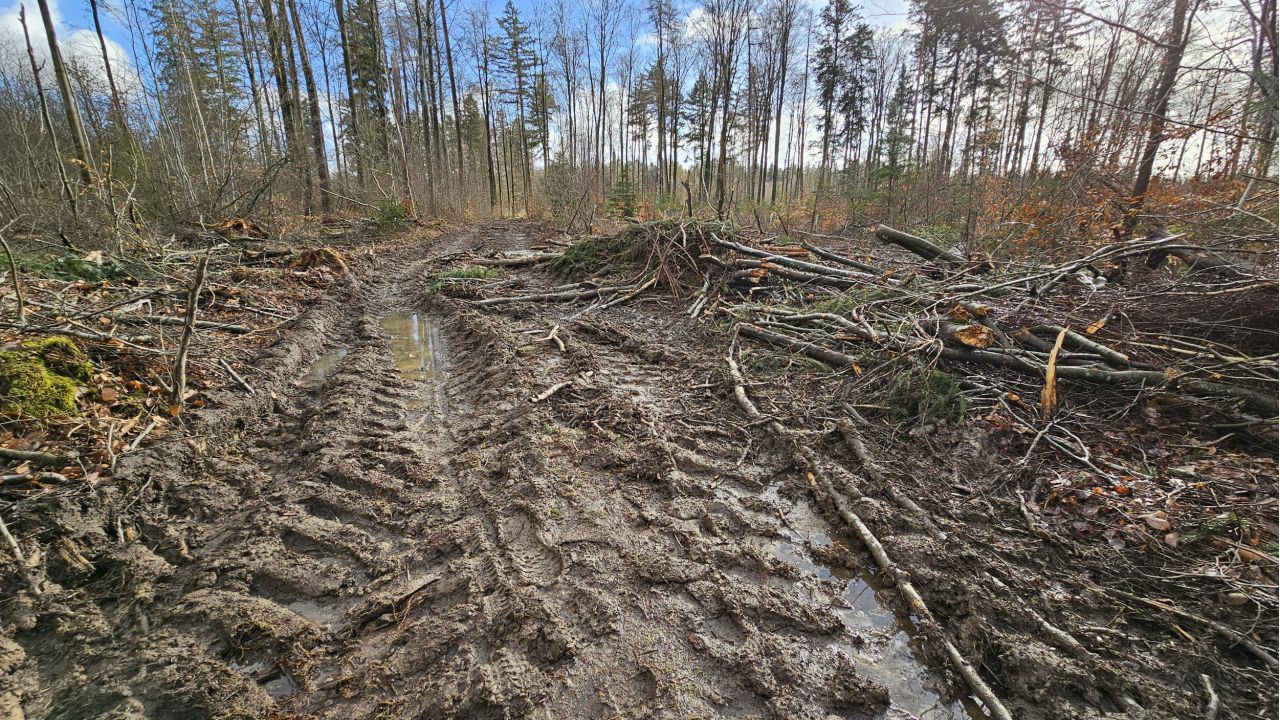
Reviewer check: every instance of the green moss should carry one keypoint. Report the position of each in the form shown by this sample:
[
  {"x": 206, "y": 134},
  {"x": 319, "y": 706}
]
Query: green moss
[
  {"x": 40, "y": 379},
  {"x": 61, "y": 356},
  {"x": 27, "y": 387},
  {"x": 441, "y": 280}
]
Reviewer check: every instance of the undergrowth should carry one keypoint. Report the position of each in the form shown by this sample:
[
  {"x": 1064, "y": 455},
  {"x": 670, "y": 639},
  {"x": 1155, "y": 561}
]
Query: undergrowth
[
  {"x": 443, "y": 279},
  {"x": 922, "y": 395},
  {"x": 586, "y": 256},
  {"x": 392, "y": 215}
]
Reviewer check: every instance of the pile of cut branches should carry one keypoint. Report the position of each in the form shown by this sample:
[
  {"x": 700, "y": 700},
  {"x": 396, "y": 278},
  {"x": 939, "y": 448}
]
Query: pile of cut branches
[{"x": 972, "y": 317}]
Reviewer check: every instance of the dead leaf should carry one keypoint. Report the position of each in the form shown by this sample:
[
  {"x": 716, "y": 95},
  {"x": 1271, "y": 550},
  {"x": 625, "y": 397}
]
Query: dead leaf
[
  {"x": 1172, "y": 539},
  {"x": 1157, "y": 521},
  {"x": 1235, "y": 598},
  {"x": 110, "y": 395}
]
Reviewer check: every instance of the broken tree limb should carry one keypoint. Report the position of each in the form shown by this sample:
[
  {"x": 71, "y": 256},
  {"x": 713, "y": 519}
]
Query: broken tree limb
[
  {"x": 1228, "y": 633},
  {"x": 21, "y": 559},
  {"x": 817, "y": 352},
  {"x": 918, "y": 245},
  {"x": 170, "y": 320},
  {"x": 517, "y": 261},
  {"x": 1118, "y": 378},
  {"x": 39, "y": 458},
  {"x": 552, "y": 296},
  {"x": 1196, "y": 258},
  {"x": 236, "y": 376},
  {"x": 188, "y": 330},
  {"x": 872, "y": 543},
  {"x": 1049, "y": 395},
  {"x": 792, "y": 263},
  {"x": 751, "y": 266},
  {"x": 551, "y": 391},
  {"x": 1075, "y": 339},
  {"x": 841, "y": 259}
]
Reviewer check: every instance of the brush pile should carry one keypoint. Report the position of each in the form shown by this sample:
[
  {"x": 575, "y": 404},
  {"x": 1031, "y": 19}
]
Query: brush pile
[{"x": 1091, "y": 323}]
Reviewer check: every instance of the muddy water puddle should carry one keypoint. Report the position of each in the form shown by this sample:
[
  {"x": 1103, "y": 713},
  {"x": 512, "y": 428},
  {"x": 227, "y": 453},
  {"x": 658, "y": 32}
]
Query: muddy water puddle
[
  {"x": 891, "y": 653},
  {"x": 417, "y": 350},
  {"x": 324, "y": 366}
]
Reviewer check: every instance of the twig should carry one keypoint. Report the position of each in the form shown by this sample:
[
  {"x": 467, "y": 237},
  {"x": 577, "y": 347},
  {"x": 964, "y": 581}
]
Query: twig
[
  {"x": 1210, "y": 710},
  {"x": 142, "y": 435},
  {"x": 39, "y": 458},
  {"x": 236, "y": 376},
  {"x": 13, "y": 270},
  {"x": 188, "y": 329},
  {"x": 21, "y": 559},
  {"x": 1223, "y": 630},
  {"x": 873, "y": 545},
  {"x": 552, "y": 391}
]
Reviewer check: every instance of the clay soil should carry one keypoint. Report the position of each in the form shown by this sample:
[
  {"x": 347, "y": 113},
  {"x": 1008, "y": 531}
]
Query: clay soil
[{"x": 430, "y": 509}]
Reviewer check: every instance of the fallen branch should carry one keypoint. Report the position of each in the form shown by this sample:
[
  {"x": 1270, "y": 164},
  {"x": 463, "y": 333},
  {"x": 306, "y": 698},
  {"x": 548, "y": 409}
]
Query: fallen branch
[
  {"x": 518, "y": 261},
  {"x": 170, "y": 320},
  {"x": 872, "y": 543},
  {"x": 1228, "y": 633},
  {"x": 188, "y": 330},
  {"x": 552, "y": 391},
  {"x": 236, "y": 376},
  {"x": 552, "y": 296},
  {"x": 918, "y": 245},
  {"x": 37, "y": 457}
]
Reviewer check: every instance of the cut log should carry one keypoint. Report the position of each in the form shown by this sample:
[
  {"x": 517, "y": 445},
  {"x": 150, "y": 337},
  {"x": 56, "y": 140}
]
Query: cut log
[{"x": 918, "y": 245}]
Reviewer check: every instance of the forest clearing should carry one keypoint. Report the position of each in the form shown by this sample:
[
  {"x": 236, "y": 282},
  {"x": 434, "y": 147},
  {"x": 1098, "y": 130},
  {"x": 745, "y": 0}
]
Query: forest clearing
[{"x": 617, "y": 359}]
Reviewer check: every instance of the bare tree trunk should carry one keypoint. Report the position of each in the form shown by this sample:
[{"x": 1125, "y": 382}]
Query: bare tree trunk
[
  {"x": 78, "y": 136},
  {"x": 313, "y": 105},
  {"x": 117, "y": 105},
  {"x": 1174, "y": 47},
  {"x": 48, "y": 120},
  {"x": 453, "y": 91}
]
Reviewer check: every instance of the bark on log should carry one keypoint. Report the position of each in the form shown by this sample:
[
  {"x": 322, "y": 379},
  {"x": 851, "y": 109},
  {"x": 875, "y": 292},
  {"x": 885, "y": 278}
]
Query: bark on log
[
  {"x": 750, "y": 266},
  {"x": 841, "y": 259},
  {"x": 918, "y": 245},
  {"x": 792, "y": 263}
]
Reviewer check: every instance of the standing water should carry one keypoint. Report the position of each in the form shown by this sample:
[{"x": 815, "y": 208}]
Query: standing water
[
  {"x": 417, "y": 351},
  {"x": 891, "y": 655}
]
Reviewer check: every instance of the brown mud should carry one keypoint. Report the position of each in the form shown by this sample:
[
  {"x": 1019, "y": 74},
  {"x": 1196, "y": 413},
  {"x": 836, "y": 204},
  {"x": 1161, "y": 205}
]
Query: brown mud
[{"x": 402, "y": 523}]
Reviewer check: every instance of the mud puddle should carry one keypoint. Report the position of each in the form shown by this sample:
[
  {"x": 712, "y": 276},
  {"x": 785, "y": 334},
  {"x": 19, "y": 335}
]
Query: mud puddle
[
  {"x": 324, "y": 366},
  {"x": 417, "y": 350},
  {"x": 891, "y": 653}
]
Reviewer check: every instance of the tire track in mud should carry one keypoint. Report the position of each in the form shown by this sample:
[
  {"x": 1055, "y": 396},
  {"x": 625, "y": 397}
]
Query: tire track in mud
[{"x": 396, "y": 529}]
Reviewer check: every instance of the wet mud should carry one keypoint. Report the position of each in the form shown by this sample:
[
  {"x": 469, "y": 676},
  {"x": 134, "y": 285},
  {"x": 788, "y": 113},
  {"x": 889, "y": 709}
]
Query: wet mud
[{"x": 402, "y": 524}]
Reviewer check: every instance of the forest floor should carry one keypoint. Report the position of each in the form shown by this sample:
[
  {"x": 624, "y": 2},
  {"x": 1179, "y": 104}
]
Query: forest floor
[{"x": 429, "y": 508}]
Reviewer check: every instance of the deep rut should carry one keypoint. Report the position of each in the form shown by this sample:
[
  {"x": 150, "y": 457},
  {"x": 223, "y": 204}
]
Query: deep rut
[{"x": 394, "y": 528}]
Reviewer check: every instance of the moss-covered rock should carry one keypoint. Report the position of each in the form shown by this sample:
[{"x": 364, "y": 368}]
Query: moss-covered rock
[
  {"x": 40, "y": 379},
  {"x": 62, "y": 356}
]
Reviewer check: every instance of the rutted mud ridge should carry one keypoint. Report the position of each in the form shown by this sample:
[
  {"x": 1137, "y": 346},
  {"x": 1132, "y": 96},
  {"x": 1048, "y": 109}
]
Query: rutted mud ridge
[{"x": 406, "y": 523}]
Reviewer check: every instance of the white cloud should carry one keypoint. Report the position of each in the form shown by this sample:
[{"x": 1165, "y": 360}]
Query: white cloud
[{"x": 80, "y": 49}]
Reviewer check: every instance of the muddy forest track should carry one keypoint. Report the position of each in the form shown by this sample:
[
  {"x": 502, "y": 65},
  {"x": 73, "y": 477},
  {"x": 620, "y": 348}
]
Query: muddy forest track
[{"x": 431, "y": 511}]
